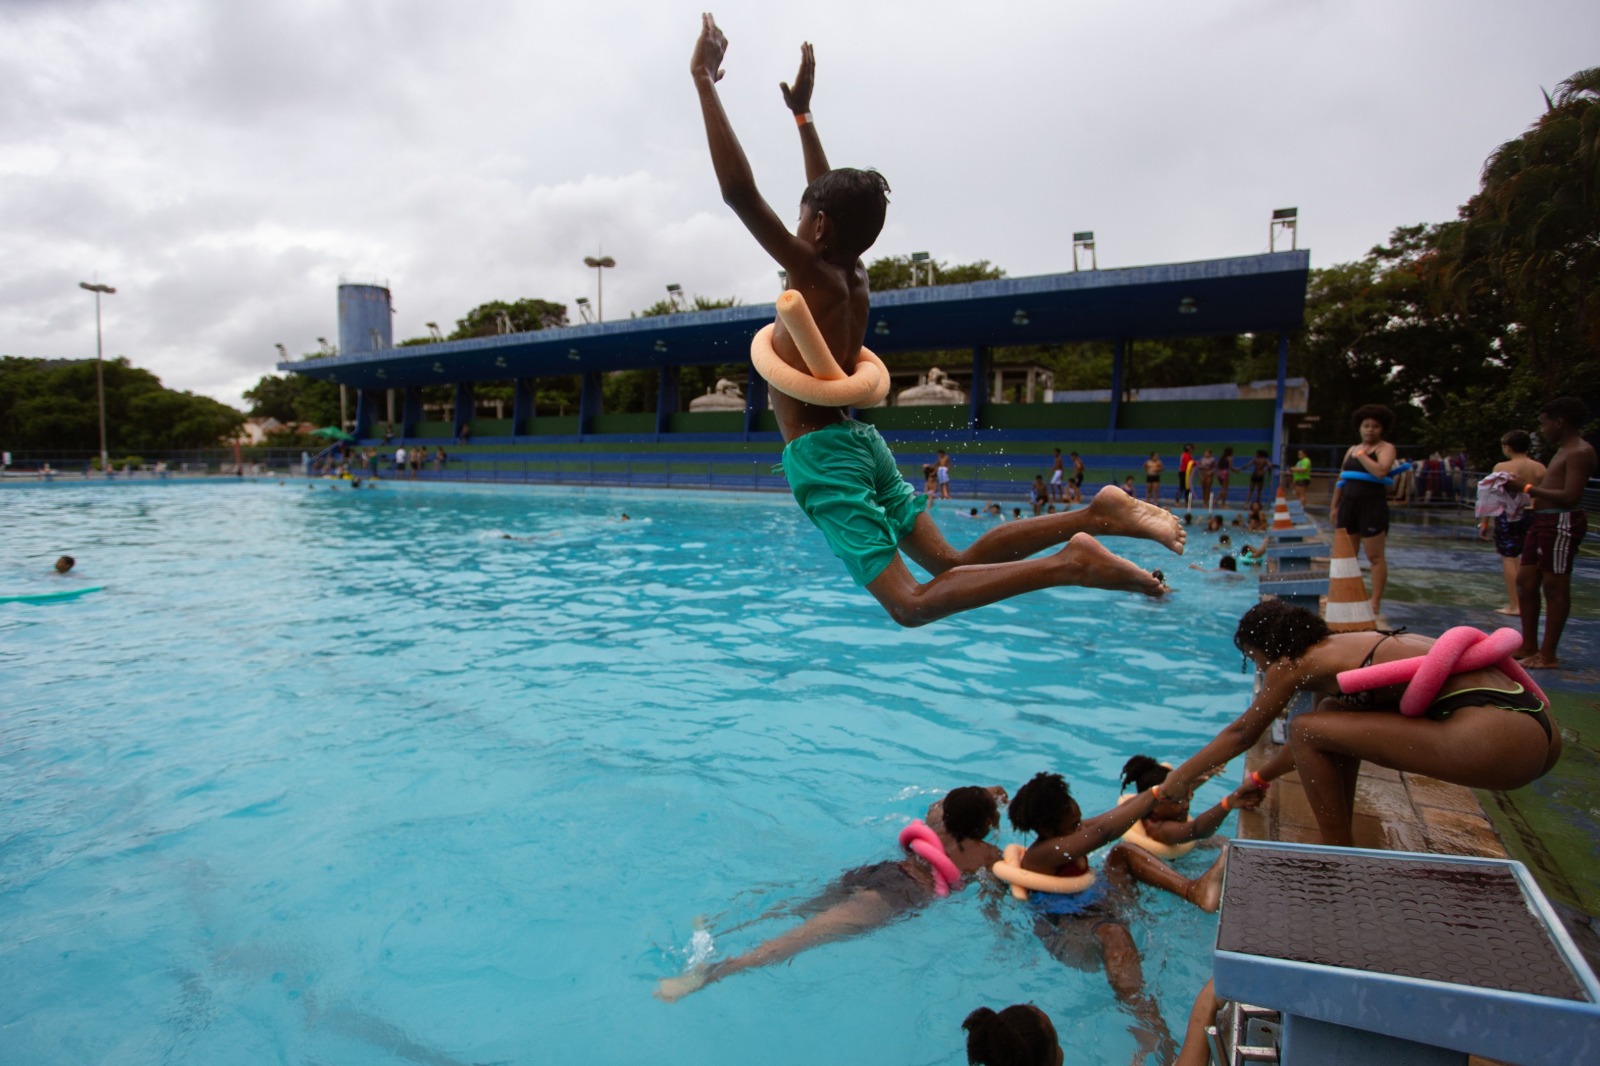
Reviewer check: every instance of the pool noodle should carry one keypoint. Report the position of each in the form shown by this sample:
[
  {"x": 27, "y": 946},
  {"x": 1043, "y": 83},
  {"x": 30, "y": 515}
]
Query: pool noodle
[
  {"x": 1458, "y": 651},
  {"x": 808, "y": 338},
  {"x": 924, "y": 842},
  {"x": 50, "y": 597}
]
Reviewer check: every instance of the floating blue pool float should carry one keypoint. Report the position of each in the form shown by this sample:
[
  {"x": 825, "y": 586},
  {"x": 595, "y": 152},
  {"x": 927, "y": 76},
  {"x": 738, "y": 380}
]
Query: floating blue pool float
[{"x": 50, "y": 597}]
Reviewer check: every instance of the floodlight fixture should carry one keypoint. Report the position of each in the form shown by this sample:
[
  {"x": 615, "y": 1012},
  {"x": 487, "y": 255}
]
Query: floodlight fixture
[
  {"x": 600, "y": 265},
  {"x": 433, "y": 331},
  {"x": 1283, "y": 218},
  {"x": 99, "y": 367},
  {"x": 585, "y": 312},
  {"x": 921, "y": 267},
  {"x": 1084, "y": 239},
  {"x": 676, "y": 298}
]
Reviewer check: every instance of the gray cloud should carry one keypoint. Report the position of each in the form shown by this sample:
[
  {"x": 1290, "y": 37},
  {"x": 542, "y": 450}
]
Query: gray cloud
[{"x": 224, "y": 164}]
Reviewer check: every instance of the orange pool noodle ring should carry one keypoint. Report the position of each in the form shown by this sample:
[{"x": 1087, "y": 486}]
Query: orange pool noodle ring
[
  {"x": 827, "y": 385},
  {"x": 1009, "y": 870},
  {"x": 1139, "y": 838}
]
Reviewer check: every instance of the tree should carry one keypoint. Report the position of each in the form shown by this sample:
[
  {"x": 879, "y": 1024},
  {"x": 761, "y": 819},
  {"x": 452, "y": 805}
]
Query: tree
[
  {"x": 54, "y": 405},
  {"x": 295, "y": 398},
  {"x": 894, "y": 272},
  {"x": 524, "y": 316},
  {"x": 1532, "y": 232}
]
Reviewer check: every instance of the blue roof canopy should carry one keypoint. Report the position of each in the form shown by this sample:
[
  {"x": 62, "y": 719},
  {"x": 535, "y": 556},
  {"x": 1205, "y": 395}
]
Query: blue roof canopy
[{"x": 1249, "y": 294}]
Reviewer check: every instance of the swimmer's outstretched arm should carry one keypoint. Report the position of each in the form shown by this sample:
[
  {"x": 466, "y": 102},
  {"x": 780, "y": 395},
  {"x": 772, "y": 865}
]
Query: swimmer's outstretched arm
[
  {"x": 734, "y": 175},
  {"x": 1283, "y": 679},
  {"x": 1048, "y": 856},
  {"x": 798, "y": 100}
]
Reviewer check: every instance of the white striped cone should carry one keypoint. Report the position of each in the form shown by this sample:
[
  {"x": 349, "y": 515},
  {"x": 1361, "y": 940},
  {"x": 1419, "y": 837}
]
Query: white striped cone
[
  {"x": 1348, "y": 610},
  {"x": 1280, "y": 512}
]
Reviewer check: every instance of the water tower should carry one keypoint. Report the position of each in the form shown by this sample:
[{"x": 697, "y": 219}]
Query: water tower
[{"x": 365, "y": 318}]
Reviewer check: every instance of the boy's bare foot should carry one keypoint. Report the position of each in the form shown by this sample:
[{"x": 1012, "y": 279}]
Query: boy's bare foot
[
  {"x": 672, "y": 989},
  {"x": 1119, "y": 515},
  {"x": 1092, "y": 565},
  {"x": 1537, "y": 661},
  {"x": 1206, "y": 890},
  {"x": 1507, "y": 610}
]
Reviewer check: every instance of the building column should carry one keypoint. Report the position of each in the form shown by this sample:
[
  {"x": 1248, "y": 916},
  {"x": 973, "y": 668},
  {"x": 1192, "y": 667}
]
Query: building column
[
  {"x": 978, "y": 399},
  {"x": 522, "y": 397},
  {"x": 366, "y": 400},
  {"x": 1118, "y": 358},
  {"x": 755, "y": 402},
  {"x": 666, "y": 399},
  {"x": 588, "y": 402},
  {"x": 411, "y": 413},
  {"x": 1283, "y": 387},
  {"x": 463, "y": 407}
]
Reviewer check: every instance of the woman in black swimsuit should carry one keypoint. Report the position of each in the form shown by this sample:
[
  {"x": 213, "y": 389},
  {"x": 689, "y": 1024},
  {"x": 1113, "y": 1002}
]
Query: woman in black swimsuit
[
  {"x": 1361, "y": 507},
  {"x": 1483, "y": 730}
]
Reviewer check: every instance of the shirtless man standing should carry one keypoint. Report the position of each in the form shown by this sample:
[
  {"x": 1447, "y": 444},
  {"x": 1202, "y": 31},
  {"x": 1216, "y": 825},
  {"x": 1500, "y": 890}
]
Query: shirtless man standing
[
  {"x": 1559, "y": 524},
  {"x": 841, "y": 472}
]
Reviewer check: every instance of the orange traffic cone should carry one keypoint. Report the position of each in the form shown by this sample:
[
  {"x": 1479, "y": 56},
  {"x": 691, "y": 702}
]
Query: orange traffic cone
[
  {"x": 1280, "y": 513},
  {"x": 1348, "y": 610}
]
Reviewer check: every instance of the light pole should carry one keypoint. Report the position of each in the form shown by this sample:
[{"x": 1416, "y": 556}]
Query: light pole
[
  {"x": 99, "y": 370},
  {"x": 599, "y": 287}
]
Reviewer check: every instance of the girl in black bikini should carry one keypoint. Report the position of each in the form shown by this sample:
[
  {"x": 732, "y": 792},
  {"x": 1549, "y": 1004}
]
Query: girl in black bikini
[{"x": 1483, "y": 731}]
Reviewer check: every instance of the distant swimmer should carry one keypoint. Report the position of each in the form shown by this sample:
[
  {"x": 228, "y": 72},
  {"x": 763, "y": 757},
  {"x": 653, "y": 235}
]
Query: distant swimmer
[
  {"x": 867, "y": 897},
  {"x": 841, "y": 472},
  {"x": 65, "y": 563}
]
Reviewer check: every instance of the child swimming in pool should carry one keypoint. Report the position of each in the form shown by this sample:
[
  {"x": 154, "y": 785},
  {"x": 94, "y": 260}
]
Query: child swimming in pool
[
  {"x": 1086, "y": 930},
  {"x": 867, "y": 897},
  {"x": 841, "y": 472},
  {"x": 1168, "y": 825}
]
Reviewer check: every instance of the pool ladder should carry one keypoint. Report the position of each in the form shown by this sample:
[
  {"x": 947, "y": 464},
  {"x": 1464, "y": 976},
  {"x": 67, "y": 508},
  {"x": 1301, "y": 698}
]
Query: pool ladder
[{"x": 1244, "y": 1034}]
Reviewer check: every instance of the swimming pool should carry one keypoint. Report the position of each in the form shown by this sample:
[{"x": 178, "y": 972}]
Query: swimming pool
[{"x": 335, "y": 776}]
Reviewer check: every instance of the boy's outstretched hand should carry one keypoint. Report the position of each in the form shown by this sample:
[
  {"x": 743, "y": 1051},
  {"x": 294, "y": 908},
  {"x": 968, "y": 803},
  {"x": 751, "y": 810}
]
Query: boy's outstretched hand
[
  {"x": 799, "y": 97},
  {"x": 709, "y": 50}
]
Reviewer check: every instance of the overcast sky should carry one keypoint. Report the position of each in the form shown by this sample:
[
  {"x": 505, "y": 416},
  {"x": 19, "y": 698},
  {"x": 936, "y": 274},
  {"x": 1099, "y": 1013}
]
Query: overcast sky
[{"x": 224, "y": 164}]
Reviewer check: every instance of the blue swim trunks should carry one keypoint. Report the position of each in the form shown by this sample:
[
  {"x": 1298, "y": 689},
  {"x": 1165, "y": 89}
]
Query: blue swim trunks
[
  {"x": 1077, "y": 904},
  {"x": 845, "y": 479}
]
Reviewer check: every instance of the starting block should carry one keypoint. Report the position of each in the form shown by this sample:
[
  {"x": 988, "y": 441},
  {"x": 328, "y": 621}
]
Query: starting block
[{"x": 1398, "y": 957}]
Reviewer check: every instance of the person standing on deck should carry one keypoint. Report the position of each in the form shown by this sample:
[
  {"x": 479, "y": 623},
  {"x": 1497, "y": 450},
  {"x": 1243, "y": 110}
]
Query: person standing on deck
[
  {"x": 1185, "y": 473},
  {"x": 1558, "y": 526},
  {"x": 1509, "y": 534}
]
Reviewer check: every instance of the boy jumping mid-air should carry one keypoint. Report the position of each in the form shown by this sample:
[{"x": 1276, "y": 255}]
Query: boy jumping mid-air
[{"x": 842, "y": 474}]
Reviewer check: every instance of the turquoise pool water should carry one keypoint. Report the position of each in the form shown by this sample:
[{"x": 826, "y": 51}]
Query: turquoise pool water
[{"x": 325, "y": 776}]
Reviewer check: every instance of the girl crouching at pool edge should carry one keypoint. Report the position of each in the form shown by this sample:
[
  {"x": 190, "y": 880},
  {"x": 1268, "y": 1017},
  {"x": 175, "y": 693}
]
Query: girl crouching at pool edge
[
  {"x": 1085, "y": 930},
  {"x": 1483, "y": 729},
  {"x": 867, "y": 897}
]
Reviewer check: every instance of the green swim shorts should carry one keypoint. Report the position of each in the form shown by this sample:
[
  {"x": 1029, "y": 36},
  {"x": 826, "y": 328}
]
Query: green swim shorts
[{"x": 844, "y": 478}]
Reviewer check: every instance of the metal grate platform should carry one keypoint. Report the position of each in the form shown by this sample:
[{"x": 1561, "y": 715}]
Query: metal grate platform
[
  {"x": 1437, "y": 950},
  {"x": 1464, "y": 923}
]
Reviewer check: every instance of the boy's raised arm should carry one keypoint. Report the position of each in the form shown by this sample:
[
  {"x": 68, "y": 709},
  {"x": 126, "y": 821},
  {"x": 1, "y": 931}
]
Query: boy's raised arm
[
  {"x": 798, "y": 100},
  {"x": 734, "y": 175}
]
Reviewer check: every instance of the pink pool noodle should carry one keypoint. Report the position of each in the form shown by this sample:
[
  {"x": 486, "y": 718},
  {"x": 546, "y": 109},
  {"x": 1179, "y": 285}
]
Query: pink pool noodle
[
  {"x": 1458, "y": 651},
  {"x": 917, "y": 837}
]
